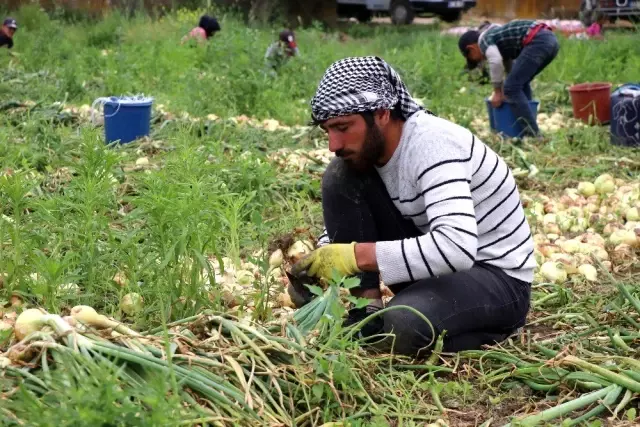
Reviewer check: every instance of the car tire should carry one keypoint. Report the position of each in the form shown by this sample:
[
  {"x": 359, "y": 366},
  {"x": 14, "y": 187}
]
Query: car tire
[
  {"x": 401, "y": 12},
  {"x": 451, "y": 16}
]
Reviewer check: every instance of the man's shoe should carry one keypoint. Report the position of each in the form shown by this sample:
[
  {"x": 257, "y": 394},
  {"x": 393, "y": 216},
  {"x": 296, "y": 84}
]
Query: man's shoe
[{"x": 374, "y": 326}]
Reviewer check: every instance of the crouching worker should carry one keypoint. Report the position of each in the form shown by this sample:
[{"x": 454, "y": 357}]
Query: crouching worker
[
  {"x": 280, "y": 51},
  {"x": 207, "y": 28},
  {"x": 7, "y": 31},
  {"x": 522, "y": 47},
  {"x": 424, "y": 205}
]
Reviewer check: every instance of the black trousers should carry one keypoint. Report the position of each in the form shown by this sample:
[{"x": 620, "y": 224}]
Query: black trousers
[{"x": 479, "y": 306}]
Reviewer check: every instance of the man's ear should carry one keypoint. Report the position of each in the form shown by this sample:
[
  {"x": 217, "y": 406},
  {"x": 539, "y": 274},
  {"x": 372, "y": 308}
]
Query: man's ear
[{"x": 382, "y": 117}]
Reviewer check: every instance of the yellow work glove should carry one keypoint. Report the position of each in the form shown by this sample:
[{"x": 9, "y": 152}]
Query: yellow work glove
[{"x": 321, "y": 262}]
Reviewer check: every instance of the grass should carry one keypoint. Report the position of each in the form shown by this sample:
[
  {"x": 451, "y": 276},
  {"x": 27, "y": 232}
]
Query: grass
[{"x": 77, "y": 211}]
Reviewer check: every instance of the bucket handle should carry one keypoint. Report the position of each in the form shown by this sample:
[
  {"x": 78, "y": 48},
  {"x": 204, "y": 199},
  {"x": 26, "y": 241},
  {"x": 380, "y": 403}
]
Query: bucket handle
[{"x": 102, "y": 100}]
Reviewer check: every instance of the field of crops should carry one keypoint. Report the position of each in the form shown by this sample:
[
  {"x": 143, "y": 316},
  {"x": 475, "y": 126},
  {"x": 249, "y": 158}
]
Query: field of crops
[{"x": 174, "y": 240}]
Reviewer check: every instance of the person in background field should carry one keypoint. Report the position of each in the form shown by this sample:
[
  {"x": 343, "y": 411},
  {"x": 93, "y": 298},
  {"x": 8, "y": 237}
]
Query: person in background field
[
  {"x": 9, "y": 28},
  {"x": 480, "y": 74},
  {"x": 521, "y": 48},
  {"x": 596, "y": 30},
  {"x": 422, "y": 204},
  {"x": 281, "y": 50},
  {"x": 206, "y": 28}
]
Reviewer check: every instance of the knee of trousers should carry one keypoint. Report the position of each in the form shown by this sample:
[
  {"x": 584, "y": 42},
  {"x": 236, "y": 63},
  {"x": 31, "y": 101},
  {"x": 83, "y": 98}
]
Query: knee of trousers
[
  {"x": 335, "y": 175},
  {"x": 410, "y": 332},
  {"x": 510, "y": 90},
  {"x": 340, "y": 179}
]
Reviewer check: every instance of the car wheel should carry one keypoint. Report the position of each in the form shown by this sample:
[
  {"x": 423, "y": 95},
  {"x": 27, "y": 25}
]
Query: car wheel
[{"x": 402, "y": 12}]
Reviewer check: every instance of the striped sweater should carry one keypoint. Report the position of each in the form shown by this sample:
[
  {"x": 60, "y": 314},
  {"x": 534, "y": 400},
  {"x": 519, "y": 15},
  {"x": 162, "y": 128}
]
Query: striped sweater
[{"x": 462, "y": 195}]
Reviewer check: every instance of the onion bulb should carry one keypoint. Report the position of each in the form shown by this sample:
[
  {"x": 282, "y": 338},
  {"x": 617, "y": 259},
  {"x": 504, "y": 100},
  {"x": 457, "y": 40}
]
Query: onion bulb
[
  {"x": 632, "y": 214},
  {"x": 564, "y": 221},
  {"x": 276, "y": 273},
  {"x": 568, "y": 262},
  {"x": 553, "y": 272},
  {"x": 15, "y": 301},
  {"x": 299, "y": 249},
  {"x": 552, "y": 207},
  {"x": 29, "y": 321},
  {"x": 540, "y": 239},
  {"x": 275, "y": 260},
  {"x": 600, "y": 253},
  {"x": 131, "y": 304},
  {"x": 120, "y": 279},
  {"x": 548, "y": 249},
  {"x": 551, "y": 228},
  {"x": 89, "y": 316},
  {"x": 587, "y": 189},
  {"x": 623, "y": 236},
  {"x": 284, "y": 300},
  {"x": 570, "y": 246},
  {"x": 142, "y": 161},
  {"x": 589, "y": 272},
  {"x": 244, "y": 277},
  {"x": 605, "y": 187},
  {"x": 576, "y": 211},
  {"x": 591, "y": 208},
  {"x": 579, "y": 226},
  {"x": 602, "y": 178},
  {"x": 537, "y": 209},
  {"x": 610, "y": 228},
  {"x": 593, "y": 239},
  {"x": 631, "y": 225}
]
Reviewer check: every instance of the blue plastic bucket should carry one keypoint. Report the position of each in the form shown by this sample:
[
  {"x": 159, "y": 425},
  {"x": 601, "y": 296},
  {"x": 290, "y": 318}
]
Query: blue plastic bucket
[
  {"x": 502, "y": 119},
  {"x": 625, "y": 116},
  {"x": 126, "y": 120}
]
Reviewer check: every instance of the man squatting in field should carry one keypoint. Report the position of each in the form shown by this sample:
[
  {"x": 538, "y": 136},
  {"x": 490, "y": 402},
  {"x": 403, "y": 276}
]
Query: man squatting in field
[
  {"x": 532, "y": 45},
  {"x": 7, "y": 31},
  {"x": 422, "y": 204}
]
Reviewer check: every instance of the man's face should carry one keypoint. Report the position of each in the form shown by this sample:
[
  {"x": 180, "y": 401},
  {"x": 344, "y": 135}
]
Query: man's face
[
  {"x": 474, "y": 53},
  {"x": 352, "y": 139},
  {"x": 9, "y": 32}
]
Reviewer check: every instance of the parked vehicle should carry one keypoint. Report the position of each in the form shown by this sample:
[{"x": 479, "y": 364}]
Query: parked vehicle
[
  {"x": 612, "y": 9},
  {"x": 403, "y": 11}
]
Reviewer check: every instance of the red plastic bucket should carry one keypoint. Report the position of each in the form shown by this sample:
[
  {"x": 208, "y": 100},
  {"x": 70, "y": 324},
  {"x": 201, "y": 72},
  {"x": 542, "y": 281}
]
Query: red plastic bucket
[{"x": 591, "y": 102}]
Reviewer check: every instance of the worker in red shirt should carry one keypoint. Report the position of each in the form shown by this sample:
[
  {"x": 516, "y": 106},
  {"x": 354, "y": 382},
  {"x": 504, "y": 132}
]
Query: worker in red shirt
[{"x": 207, "y": 27}]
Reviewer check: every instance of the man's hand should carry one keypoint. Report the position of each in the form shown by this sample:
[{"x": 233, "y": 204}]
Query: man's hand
[
  {"x": 321, "y": 262},
  {"x": 497, "y": 98}
]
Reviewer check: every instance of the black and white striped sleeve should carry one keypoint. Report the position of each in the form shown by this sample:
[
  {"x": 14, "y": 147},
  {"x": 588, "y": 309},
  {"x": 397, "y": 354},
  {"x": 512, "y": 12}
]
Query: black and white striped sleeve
[{"x": 451, "y": 242}]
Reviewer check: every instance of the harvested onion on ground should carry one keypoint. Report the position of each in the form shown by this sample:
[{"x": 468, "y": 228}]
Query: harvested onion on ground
[{"x": 131, "y": 304}]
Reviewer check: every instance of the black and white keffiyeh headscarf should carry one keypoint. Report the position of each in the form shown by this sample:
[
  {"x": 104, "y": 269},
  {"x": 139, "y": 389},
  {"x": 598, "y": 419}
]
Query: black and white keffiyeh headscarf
[{"x": 360, "y": 84}]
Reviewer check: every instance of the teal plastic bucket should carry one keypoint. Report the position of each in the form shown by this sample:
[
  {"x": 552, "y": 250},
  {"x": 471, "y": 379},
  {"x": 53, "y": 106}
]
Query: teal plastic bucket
[
  {"x": 126, "y": 119},
  {"x": 502, "y": 119}
]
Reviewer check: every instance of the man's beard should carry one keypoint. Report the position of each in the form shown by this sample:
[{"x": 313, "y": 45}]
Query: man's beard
[{"x": 371, "y": 152}]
